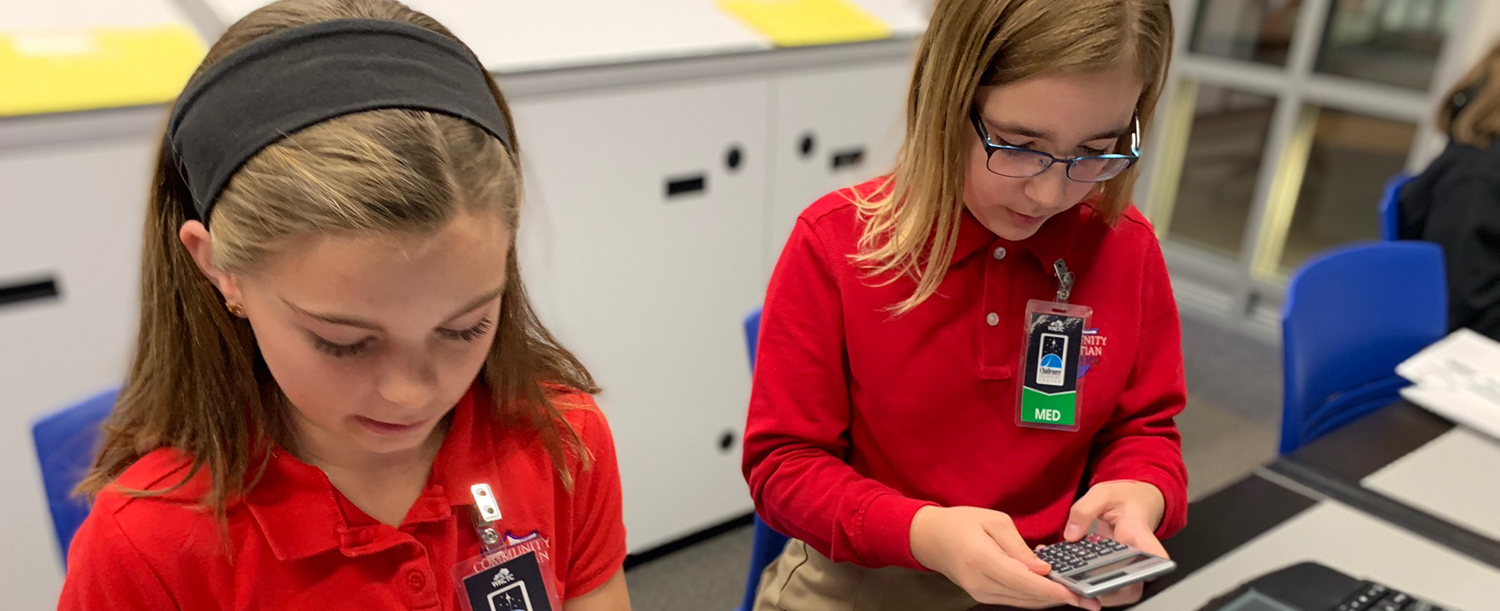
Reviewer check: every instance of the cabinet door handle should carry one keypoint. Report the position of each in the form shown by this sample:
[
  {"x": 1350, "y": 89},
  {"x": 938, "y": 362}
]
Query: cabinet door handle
[
  {"x": 45, "y": 288},
  {"x": 848, "y": 157},
  {"x": 686, "y": 185}
]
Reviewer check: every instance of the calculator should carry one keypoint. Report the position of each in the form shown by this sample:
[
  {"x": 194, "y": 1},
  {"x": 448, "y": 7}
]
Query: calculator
[
  {"x": 1096, "y": 565},
  {"x": 1309, "y": 586}
]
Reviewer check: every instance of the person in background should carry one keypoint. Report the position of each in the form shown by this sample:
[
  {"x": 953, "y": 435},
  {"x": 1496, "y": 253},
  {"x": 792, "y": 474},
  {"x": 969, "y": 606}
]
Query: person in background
[
  {"x": 340, "y": 396},
  {"x": 889, "y": 433},
  {"x": 1455, "y": 202}
]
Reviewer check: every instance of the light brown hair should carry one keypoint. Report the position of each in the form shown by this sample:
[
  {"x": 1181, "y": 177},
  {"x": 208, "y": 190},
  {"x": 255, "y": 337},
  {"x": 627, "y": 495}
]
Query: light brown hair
[
  {"x": 1477, "y": 117},
  {"x": 911, "y": 226},
  {"x": 198, "y": 383}
]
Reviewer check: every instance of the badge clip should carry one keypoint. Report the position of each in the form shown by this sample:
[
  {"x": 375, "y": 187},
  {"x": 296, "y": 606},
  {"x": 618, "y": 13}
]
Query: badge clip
[
  {"x": 1064, "y": 281},
  {"x": 486, "y": 514}
]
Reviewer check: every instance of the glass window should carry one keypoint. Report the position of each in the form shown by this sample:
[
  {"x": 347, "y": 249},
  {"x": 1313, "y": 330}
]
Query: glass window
[
  {"x": 1387, "y": 41},
  {"x": 1351, "y": 158},
  {"x": 1253, "y": 30},
  {"x": 1216, "y": 191}
]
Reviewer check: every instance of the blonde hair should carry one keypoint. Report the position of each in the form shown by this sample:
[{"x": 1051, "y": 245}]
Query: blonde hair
[
  {"x": 911, "y": 223},
  {"x": 198, "y": 384},
  {"x": 1477, "y": 117}
]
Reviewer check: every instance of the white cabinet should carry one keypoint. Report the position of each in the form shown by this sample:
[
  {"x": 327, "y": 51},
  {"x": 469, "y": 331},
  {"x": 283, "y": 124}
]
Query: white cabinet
[
  {"x": 72, "y": 213},
  {"x": 640, "y": 245},
  {"x": 653, "y": 218},
  {"x": 834, "y": 127}
]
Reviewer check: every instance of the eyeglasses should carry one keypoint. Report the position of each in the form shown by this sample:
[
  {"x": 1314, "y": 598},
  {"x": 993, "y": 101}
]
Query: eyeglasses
[{"x": 1017, "y": 162}]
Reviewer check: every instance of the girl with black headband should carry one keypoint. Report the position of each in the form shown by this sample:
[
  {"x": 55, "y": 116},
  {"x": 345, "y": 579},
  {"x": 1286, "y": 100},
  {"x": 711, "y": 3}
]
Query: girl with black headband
[{"x": 341, "y": 398}]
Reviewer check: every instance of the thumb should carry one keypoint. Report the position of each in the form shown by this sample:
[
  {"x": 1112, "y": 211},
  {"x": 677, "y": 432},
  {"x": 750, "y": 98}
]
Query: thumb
[
  {"x": 1135, "y": 533},
  {"x": 1084, "y": 513}
]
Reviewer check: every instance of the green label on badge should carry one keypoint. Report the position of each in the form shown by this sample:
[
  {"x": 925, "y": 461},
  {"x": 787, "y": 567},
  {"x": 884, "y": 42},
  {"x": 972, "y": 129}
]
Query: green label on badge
[{"x": 1042, "y": 408}]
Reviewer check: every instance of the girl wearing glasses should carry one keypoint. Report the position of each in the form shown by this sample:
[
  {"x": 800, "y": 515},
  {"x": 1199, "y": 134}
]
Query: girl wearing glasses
[{"x": 886, "y": 432}]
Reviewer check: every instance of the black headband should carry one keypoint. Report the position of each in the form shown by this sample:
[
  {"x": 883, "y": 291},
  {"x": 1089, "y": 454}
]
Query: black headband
[{"x": 295, "y": 78}]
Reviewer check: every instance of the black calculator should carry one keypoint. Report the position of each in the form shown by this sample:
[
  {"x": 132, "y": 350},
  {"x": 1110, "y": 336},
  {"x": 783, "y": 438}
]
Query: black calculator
[
  {"x": 1095, "y": 565},
  {"x": 1309, "y": 586}
]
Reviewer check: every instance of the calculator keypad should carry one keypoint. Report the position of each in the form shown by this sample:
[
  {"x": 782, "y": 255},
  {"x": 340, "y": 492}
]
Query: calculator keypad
[
  {"x": 1377, "y": 597},
  {"x": 1065, "y": 557}
]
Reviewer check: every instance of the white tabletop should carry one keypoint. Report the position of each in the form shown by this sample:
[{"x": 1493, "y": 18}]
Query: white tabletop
[
  {"x": 1455, "y": 477},
  {"x": 1357, "y": 544}
]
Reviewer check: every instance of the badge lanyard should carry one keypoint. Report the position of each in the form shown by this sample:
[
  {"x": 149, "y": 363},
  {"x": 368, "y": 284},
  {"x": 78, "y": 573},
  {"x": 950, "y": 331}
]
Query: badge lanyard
[
  {"x": 509, "y": 574},
  {"x": 1047, "y": 397}
]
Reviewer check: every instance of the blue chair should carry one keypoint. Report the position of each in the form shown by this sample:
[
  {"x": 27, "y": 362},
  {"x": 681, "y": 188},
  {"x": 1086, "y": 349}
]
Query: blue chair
[
  {"x": 1351, "y": 316},
  {"x": 1390, "y": 207},
  {"x": 752, "y": 335},
  {"x": 768, "y": 543},
  {"x": 65, "y": 444}
]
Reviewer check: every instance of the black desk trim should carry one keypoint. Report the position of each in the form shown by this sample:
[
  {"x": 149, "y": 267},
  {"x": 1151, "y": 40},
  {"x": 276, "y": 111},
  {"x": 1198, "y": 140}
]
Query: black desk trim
[
  {"x": 1226, "y": 520},
  {"x": 1417, "y": 521},
  {"x": 1377, "y": 439},
  {"x": 1336, "y": 464}
]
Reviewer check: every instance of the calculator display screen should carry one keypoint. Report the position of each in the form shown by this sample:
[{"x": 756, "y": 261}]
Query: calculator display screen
[{"x": 1113, "y": 567}]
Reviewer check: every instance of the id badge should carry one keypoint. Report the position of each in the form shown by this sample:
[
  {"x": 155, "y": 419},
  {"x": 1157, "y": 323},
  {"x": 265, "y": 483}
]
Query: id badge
[
  {"x": 516, "y": 577},
  {"x": 509, "y": 574},
  {"x": 1048, "y": 395}
]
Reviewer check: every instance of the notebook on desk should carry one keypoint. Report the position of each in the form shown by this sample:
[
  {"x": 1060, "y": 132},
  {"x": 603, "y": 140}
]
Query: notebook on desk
[{"x": 1458, "y": 378}]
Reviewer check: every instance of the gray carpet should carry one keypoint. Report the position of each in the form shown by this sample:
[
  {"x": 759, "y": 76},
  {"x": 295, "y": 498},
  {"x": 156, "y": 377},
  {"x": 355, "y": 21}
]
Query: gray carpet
[{"x": 1229, "y": 427}]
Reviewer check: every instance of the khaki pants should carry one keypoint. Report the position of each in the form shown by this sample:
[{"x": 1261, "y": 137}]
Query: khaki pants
[{"x": 801, "y": 579}]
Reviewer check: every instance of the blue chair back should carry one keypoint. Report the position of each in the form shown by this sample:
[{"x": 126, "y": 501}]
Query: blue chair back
[
  {"x": 752, "y": 334},
  {"x": 1390, "y": 207},
  {"x": 1351, "y": 316},
  {"x": 65, "y": 444},
  {"x": 768, "y": 543}
]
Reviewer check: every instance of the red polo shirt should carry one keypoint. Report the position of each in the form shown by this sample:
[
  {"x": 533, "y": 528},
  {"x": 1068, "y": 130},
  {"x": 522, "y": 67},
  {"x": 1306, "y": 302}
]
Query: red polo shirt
[
  {"x": 295, "y": 542},
  {"x": 858, "y": 418}
]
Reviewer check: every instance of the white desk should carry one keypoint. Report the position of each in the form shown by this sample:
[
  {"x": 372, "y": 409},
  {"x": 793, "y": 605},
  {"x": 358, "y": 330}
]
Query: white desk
[
  {"x": 1455, "y": 477},
  {"x": 1349, "y": 541}
]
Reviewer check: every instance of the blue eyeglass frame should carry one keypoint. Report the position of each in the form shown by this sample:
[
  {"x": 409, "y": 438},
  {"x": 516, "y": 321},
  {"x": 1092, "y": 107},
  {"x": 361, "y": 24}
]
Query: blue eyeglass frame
[{"x": 990, "y": 147}]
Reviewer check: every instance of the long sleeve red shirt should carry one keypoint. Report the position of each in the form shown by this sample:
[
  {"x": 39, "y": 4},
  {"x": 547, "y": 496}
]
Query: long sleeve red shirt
[{"x": 858, "y": 417}]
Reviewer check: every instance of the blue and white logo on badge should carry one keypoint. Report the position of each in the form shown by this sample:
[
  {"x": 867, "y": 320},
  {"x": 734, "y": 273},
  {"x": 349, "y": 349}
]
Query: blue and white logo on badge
[
  {"x": 511, "y": 598},
  {"x": 1051, "y": 366}
]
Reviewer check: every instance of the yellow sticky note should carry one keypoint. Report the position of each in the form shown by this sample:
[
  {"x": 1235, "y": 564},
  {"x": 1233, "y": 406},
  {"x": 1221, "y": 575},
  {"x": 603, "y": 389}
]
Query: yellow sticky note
[
  {"x": 795, "y": 23},
  {"x": 46, "y": 72}
]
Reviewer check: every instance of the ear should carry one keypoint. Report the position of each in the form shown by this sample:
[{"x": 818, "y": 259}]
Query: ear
[{"x": 199, "y": 244}]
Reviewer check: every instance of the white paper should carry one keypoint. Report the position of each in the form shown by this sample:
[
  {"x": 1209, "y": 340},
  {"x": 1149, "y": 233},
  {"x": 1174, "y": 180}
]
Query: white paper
[{"x": 1458, "y": 378}]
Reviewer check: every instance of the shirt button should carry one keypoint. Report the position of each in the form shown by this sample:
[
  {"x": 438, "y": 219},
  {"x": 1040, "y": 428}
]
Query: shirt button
[
  {"x": 993, "y": 319},
  {"x": 416, "y": 580},
  {"x": 1000, "y": 253}
]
